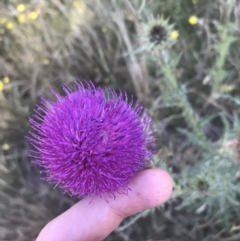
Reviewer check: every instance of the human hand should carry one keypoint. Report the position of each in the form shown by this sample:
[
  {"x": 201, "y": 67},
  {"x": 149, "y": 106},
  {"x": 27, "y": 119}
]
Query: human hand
[{"x": 94, "y": 221}]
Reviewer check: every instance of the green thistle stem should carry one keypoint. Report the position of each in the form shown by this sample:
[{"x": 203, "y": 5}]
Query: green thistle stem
[
  {"x": 181, "y": 98},
  {"x": 222, "y": 47}
]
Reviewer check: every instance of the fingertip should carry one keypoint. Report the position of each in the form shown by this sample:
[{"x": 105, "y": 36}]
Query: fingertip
[
  {"x": 149, "y": 188},
  {"x": 154, "y": 186},
  {"x": 163, "y": 182},
  {"x": 85, "y": 221}
]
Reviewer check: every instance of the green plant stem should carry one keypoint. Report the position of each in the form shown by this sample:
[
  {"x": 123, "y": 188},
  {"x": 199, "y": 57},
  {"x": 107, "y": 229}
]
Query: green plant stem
[
  {"x": 222, "y": 47},
  {"x": 181, "y": 99}
]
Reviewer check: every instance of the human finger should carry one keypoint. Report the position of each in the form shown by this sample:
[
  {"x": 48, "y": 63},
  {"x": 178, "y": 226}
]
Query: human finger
[{"x": 93, "y": 220}]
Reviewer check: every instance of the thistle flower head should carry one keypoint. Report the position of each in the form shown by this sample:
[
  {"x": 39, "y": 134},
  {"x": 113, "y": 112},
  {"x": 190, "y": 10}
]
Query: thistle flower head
[
  {"x": 157, "y": 34},
  {"x": 90, "y": 143}
]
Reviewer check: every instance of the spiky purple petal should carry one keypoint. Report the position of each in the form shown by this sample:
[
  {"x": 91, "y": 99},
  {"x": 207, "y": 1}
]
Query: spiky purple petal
[{"x": 90, "y": 143}]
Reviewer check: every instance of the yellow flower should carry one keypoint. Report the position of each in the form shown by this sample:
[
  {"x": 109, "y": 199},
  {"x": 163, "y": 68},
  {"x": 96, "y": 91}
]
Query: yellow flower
[
  {"x": 21, "y": 18},
  {"x": 130, "y": 18},
  {"x": 3, "y": 20},
  {"x": 31, "y": 60},
  {"x": 79, "y": 6},
  {"x": 21, "y": 8},
  {"x": 104, "y": 29},
  {"x": 228, "y": 88},
  {"x": 5, "y": 80},
  {"x": 45, "y": 61},
  {"x": 174, "y": 34},
  {"x": 1, "y": 86},
  {"x": 5, "y": 147},
  {"x": 9, "y": 25},
  {"x": 96, "y": 70},
  {"x": 194, "y": 1},
  {"x": 106, "y": 80},
  {"x": 33, "y": 15},
  {"x": 193, "y": 20}
]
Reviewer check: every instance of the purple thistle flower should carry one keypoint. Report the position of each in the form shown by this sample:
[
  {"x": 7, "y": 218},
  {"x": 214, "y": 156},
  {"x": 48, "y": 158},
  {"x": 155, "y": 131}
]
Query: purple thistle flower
[{"x": 90, "y": 142}]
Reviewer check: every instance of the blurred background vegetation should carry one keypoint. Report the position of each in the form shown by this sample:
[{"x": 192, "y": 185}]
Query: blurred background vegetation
[{"x": 180, "y": 59}]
